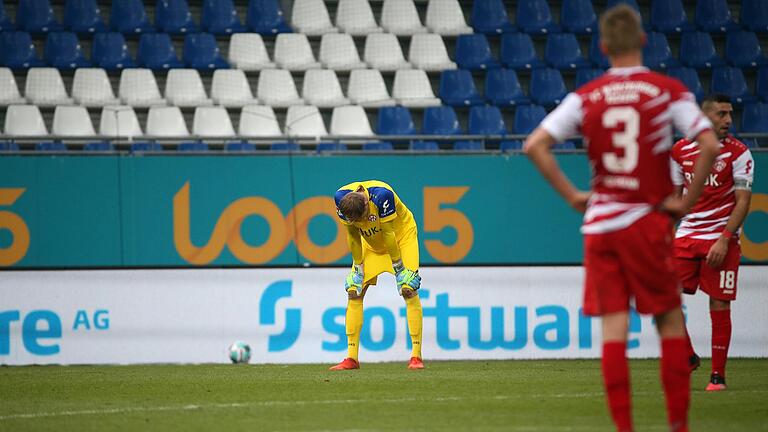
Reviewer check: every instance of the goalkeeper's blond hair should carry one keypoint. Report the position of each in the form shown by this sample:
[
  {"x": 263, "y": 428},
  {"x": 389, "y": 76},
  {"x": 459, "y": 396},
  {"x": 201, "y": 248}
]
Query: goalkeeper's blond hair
[{"x": 621, "y": 30}]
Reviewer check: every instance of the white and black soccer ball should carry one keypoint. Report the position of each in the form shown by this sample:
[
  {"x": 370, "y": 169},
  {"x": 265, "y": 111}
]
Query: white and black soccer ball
[{"x": 240, "y": 352}]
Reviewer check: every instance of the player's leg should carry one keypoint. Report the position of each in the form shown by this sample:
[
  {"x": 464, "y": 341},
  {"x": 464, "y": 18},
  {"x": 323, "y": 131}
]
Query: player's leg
[
  {"x": 675, "y": 372},
  {"x": 615, "y": 369},
  {"x": 687, "y": 270},
  {"x": 413, "y": 310},
  {"x": 354, "y": 325}
]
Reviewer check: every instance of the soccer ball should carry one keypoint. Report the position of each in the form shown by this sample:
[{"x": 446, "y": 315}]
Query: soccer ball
[{"x": 239, "y": 352}]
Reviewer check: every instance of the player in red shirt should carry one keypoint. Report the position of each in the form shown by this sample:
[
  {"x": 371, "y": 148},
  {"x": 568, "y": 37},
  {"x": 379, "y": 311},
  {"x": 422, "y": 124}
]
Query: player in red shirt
[
  {"x": 626, "y": 118},
  {"x": 706, "y": 245}
]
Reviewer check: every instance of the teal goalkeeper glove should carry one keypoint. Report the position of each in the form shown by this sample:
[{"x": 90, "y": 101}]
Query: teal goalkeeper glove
[
  {"x": 406, "y": 277},
  {"x": 354, "y": 280}
]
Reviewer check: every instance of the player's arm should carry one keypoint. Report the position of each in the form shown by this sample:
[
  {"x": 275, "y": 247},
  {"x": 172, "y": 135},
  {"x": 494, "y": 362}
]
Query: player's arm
[
  {"x": 354, "y": 280},
  {"x": 390, "y": 241},
  {"x": 709, "y": 148},
  {"x": 561, "y": 123},
  {"x": 405, "y": 277}
]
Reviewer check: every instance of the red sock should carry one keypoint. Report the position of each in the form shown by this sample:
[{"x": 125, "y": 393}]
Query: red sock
[
  {"x": 616, "y": 380},
  {"x": 721, "y": 339},
  {"x": 676, "y": 381},
  {"x": 691, "y": 351}
]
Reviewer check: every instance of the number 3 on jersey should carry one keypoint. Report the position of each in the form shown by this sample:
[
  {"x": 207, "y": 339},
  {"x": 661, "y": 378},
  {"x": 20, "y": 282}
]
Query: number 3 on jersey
[{"x": 627, "y": 140}]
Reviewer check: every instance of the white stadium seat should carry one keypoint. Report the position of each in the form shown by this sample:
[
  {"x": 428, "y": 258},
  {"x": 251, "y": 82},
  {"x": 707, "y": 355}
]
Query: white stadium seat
[
  {"x": 304, "y": 121},
  {"x": 45, "y": 87},
  {"x": 321, "y": 88},
  {"x": 367, "y": 88},
  {"x": 276, "y": 88},
  {"x": 119, "y": 121},
  {"x": 338, "y": 52},
  {"x": 230, "y": 88},
  {"x": 212, "y": 121},
  {"x": 72, "y": 121},
  {"x": 412, "y": 89},
  {"x": 383, "y": 52},
  {"x": 445, "y": 17},
  {"x": 356, "y": 18},
  {"x": 24, "y": 120},
  {"x": 91, "y": 87},
  {"x": 184, "y": 88},
  {"x": 350, "y": 120},
  {"x": 258, "y": 121},
  {"x": 9, "y": 91},
  {"x": 428, "y": 52},
  {"x": 293, "y": 52},
  {"x": 138, "y": 88},
  {"x": 248, "y": 52},
  {"x": 400, "y": 17},
  {"x": 166, "y": 122},
  {"x": 310, "y": 17}
]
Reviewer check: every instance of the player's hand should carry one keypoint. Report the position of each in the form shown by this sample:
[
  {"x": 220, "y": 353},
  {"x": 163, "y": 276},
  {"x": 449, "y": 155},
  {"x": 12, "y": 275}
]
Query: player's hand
[
  {"x": 406, "y": 277},
  {"x": 579, "y": 201},
  {"x": 676, "y": 207},
  {"x": 354, "y": 280},
  {"x": 717, "y": 252}
]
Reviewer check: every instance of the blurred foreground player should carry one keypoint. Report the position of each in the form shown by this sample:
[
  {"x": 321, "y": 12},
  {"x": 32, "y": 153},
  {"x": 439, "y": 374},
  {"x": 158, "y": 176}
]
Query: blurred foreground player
[
  {"x": 382, "y": 237},
  {"x": 626, "y": 117},
  {"x": 706, "y": 247}
]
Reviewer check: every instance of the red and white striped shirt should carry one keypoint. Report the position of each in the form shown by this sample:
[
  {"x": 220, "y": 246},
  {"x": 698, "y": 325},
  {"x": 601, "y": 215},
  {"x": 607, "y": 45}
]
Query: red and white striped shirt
[
  {"x": 733, "y": 169},
  {"x": 626, "y": 117}
]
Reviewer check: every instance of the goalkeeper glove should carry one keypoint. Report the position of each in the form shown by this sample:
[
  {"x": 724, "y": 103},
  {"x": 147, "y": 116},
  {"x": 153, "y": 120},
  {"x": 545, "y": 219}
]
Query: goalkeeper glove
[
  {"x": 354, "y": 280},
  {"x": 406, "y": 277}
]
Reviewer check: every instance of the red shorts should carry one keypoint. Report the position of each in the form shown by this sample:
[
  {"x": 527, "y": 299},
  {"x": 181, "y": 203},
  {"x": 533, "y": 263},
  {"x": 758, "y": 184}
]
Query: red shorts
[
  {"x": 633, "y": 262},
  {"x": 694, "y": 272}
]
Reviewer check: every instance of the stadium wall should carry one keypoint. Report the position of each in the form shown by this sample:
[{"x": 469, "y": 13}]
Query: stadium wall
[
  {"x": 277, "y": 210},
  {"x": 297, "y": 316}
]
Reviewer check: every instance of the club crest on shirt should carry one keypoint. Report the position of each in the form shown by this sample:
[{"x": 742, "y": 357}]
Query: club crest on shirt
[
  {"x": 719, "y": 165},
  {"x": 372, "y": 218}
]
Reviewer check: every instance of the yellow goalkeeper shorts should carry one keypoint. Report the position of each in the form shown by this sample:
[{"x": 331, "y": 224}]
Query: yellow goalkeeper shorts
[{"x": 376, "y": 263}]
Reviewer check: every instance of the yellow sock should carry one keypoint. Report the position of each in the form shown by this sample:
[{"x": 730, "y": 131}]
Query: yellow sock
[
  {"x": 415, "y": 317},
  {"x": 354, "y": 326}
]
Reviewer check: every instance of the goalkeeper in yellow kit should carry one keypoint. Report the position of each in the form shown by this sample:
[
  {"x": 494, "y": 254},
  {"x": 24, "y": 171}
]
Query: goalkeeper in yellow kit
[{"x": 382, "y": 237}]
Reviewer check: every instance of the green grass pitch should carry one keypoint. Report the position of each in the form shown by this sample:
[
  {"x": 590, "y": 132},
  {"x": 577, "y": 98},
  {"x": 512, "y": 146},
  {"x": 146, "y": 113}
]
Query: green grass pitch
[{"x": 564, "y": 395}]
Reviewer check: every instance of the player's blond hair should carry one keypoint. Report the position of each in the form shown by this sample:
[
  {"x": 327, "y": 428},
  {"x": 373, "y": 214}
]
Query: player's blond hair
[
  {"x": 621, "y": 30},
  {"x": 352, "y": 206}
]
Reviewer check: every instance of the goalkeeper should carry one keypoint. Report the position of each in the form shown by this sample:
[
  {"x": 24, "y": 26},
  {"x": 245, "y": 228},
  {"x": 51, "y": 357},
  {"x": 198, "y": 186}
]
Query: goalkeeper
[{"x": 382, "y": 237}]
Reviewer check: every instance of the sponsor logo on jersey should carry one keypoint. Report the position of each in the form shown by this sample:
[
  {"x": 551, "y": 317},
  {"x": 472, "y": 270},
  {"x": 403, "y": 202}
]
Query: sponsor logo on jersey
[{"x": 687, "y": 163}]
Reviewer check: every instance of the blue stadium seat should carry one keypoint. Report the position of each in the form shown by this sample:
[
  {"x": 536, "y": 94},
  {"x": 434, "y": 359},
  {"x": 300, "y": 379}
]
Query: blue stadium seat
[
  {"x": 220, "y": 17},
  {"x": 109, "y": 51},
  {"x": 534, "y": 16},
  {"x": 527, "y": 117},
  {"x": 156, "y": 52},
  {"x": 632, "y": 3},
  {"x": 440, "y": 120},
  {"x": 714, "y": 16},
  {"x": 563, "y": 52},
  {"x": 378, "y": 146},
  {"x": 473, "y": 52},
  {"x": 668, "y": 16},
  {"x": 266, "y": 17},
  {"x": 657, "y": 54},
  {"x": 173, "y": 16},
  {"x": 754, "y": 15},
  {"x": 285, "y": 147},
  {"x": 754, "y": 118},
  {"x": 150, "y": 146},
  {"x": 129, "y": 16},
  {"x": 424, "y": 146},
  {"x": 690, "y": 78},
  {"x": 547, "y": 87},
  {"x": 502, "y": 88},
  {"x": 63, "y": 51},
  {"x": 730, "y": 81},
  {"x": 83, "y": 16},
  {"x": 586, "y": 75},
  {"x": 742, "y": 49},
  {"x": 518, "y": 52},
  {"x": 36, "y": 16},
  {"x": 596, "y": 56},
  {"x": 457, "y": 88},
  {"x": 486, "y": 120},
  {"x": 511, "y": 145},
  {"x": 331, "y": 147},
  {"x": 468, "y": 146},
  {"x": 5, "y": 20},
  {"x": 8, "y": 146},
  {"x": 567, "y": 145},
  {"x": 99, "y": 146},
  {"x": 239, "y": 146},
  {"x": 490, "y": 17},
  {"x": 698, "y": 51},
  {"x": 17, "y": 51},
  {"x": 201, "y": 52},
  {"x": 761, "y": 88},
  {"x": 51, "y": 146},
  {"x": 395, "y": 120},
  {"x": 193, "y": 146},
  {"x": 578, "y": 16}
]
